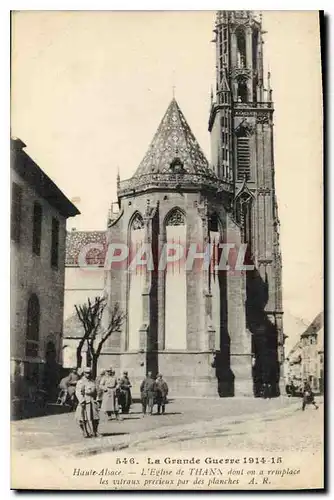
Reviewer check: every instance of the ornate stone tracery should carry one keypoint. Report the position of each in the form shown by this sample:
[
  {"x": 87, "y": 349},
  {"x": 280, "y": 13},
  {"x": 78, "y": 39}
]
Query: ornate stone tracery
[
  {"x": 137, "y": 222},
  {"x": 176, "y": 218}
]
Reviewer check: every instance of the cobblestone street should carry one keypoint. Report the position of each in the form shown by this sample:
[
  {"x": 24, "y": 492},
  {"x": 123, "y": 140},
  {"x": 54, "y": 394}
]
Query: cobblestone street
[
  {"x": 281, "y": 431},
  {"x": 57, "y": 456},
  {"x": 60, "y": 433}
]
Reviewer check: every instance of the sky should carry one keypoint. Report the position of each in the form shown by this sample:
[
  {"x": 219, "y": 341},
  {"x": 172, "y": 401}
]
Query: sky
[{"x": 89, "y": 89}]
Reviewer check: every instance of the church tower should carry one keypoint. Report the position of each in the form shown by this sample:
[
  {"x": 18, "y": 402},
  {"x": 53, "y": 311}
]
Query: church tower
[{"x": 241, "y": 128}]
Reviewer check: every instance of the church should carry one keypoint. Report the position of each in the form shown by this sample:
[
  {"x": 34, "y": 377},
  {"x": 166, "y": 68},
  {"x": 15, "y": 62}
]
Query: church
[{"x": 208, "y": 329}]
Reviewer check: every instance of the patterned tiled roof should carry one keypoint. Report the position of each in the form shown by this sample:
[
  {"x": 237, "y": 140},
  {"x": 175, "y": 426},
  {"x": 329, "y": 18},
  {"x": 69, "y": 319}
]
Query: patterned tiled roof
[
  {"x": 82, "y": 243},
  {"x": 173, "y": 139}
]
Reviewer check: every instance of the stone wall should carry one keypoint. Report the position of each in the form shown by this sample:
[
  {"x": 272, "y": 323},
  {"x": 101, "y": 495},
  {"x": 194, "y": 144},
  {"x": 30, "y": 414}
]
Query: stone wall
[{"x": 31, "y": 273}]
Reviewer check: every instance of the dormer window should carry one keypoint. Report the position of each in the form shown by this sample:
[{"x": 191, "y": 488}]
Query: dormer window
[{"x": 176, "y": 166}]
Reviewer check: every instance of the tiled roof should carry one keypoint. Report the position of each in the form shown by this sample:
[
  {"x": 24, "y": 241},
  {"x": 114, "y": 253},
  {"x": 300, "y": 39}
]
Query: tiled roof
[
  {"x": 87, "y": 245},
  {"x": 173, "y": 139}
]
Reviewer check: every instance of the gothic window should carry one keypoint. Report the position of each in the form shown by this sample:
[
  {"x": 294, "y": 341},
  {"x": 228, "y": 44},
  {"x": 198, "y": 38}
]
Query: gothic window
[
  {"x": 137, "y": 222},
  {"x": 136, "y": 282},
  {"x": 175, "y": 218},
  {"x": 50, "y": 353},
  {"x": 242, "y": 91},
  {"x": 175, "y": 281},
  {"x": 225, "y": 40},
  {"x": 243, "y": 153},
  {"x": 241, "y": 48},
  {"x": 254, "y": 48},
  {"x": 32, "y": 331}
]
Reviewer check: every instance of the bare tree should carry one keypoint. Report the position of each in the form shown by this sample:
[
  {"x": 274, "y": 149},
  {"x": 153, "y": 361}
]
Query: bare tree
[{"x": 90, "y": 315}]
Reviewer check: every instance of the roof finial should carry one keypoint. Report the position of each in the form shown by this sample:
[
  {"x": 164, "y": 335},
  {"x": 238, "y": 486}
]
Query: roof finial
[
  {"x": 118, "y": 178},
  {"x": 173, "y": 84}
]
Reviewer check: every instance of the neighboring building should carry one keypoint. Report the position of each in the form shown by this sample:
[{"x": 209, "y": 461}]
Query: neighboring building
[
  {"x": 293, "y": 371},
  {"x": 38, "y": 218},
  {"x": 81, "y": 282},
  {"x": 177, "y": 319},
  {"x": 305, "y": 362},
  {"x": 312, "y": 353}
]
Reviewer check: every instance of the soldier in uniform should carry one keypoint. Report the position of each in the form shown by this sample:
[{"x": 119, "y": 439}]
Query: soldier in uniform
[
  {"x": 147, "y": 391},
  {"x": 161, "y": 393},
  {"x": 87, "y": 413},
  {"x": 99, "y": 380},
  {"x": 125, "y": 392}
]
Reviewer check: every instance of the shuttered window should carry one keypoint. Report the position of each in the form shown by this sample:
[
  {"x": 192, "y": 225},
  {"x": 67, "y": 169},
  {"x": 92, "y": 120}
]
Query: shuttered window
[{"x": 243, "y": 158}]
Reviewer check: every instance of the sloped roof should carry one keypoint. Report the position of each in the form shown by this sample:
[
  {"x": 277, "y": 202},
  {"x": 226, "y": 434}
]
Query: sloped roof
[
  {"x": 315, "y": 326},
  {"x": 82, "y": 242},
  {"x": 72, "y": 327},
  {"x": 39, "y": 181},
  {"x": 173, "y": 139}
]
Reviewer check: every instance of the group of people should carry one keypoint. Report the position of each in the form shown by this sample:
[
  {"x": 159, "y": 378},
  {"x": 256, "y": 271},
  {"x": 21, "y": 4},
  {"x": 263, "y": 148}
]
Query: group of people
[{"x": 108, "y": 394}]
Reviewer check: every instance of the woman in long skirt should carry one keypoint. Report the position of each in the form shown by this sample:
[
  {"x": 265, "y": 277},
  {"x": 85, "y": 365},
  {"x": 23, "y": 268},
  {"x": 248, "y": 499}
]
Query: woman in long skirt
[{"x": 109, "y": 385}]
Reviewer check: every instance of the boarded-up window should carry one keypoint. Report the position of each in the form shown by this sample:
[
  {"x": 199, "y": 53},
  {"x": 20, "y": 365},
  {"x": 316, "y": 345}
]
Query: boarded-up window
[
  {"x": 176, "y": 283},
  {"x": 243, "y": 158}
]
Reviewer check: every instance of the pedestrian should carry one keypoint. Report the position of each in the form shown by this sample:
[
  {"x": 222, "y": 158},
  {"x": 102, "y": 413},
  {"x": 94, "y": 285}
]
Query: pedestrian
[
  {"x": 308, "y": 396},
  {"x": 87, "y": 413},
  {"x": 147, "y": 391},
  {"x": 267, "y": 390},
  {"x": 99, "y": 380},
  {"x": 125, "y": 390},
  {"x": 71, "y": 383},
  {"x": 161, "y": 393},
  {"x": 109, "y": 386}
]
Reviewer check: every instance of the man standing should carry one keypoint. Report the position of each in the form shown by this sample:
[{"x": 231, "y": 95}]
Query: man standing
[
  {"x": 161, "y": 393},
  {"x": 87, "y": 414},
  {"x": 147, "y": 391},
  {"x": 125, "y": 388}
]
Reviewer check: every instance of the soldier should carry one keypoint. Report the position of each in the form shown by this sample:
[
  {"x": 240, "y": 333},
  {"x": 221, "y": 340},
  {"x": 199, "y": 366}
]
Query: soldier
[
  {"x": 161, "y": 393},
  {"x": 87, "y": 413},
  {"x": 147, "y": 391},
  {"x": 99, "y": 380},
  {"x": 125, "y": 389},
  {"x": 72, "y": 381}
]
